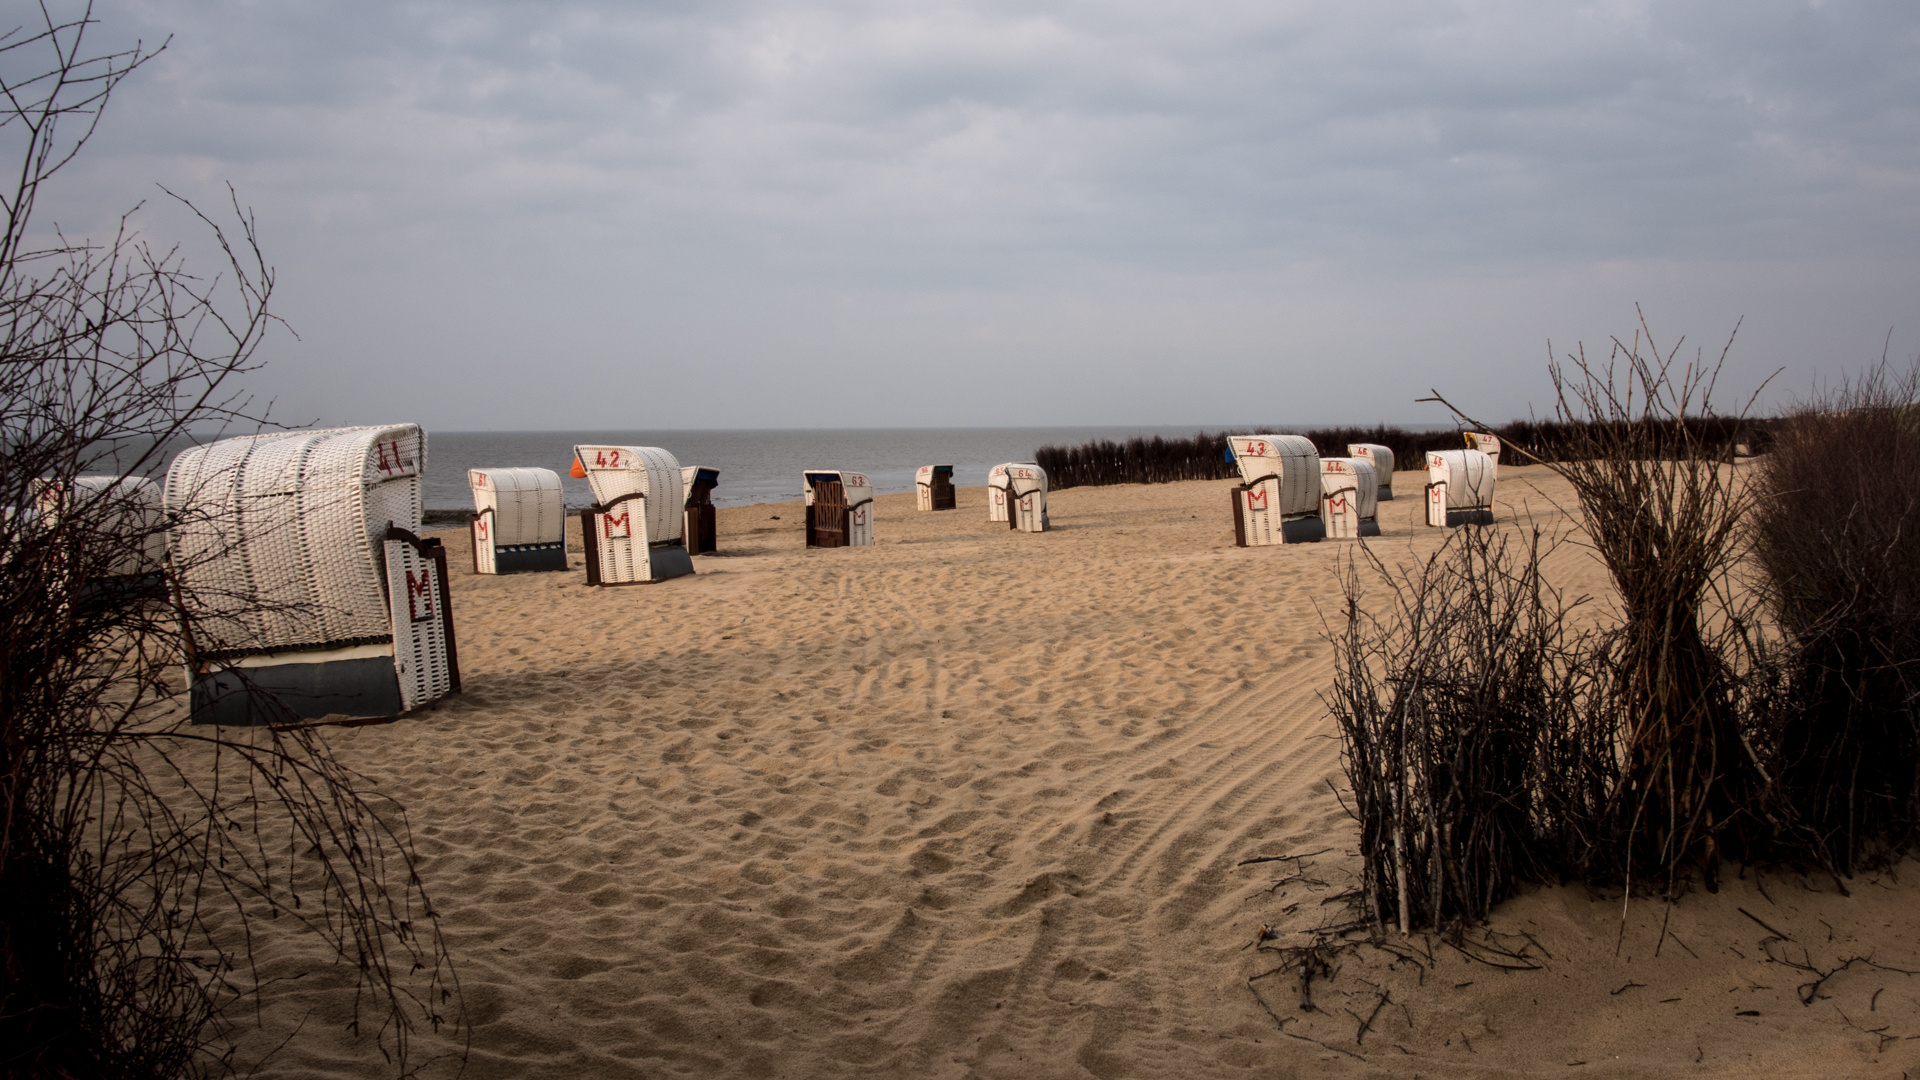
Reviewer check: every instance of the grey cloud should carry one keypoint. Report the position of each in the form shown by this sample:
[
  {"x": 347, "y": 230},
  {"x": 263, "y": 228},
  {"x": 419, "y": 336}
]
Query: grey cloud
[{"x": 646, "y": 167}]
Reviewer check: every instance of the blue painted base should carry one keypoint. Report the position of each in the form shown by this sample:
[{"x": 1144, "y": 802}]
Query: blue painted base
[
  {"x": 669, "y": 562},
  {"x": 1303, "y": 530},
  {"x": 530, "y": 558},
  {"x": 285, "y": 693}
]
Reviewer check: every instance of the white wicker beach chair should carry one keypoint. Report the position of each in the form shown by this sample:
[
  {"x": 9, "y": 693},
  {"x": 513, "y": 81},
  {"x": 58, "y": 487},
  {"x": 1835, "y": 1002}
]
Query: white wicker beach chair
[
  {"x": 308, "y": 589},
  {"x": 633, "y": 532},
  {"x": 519, "y": 520},
  {"x": 1018, "y": 489},
  {"x": 128, "y": 509},
  {"x": 1486, "y": 444},
  {"x": 702, "y": 530},
  {"x": 1382, "y": 459},
  {"x": 1459, "y": 488},
  {"x": 1349, "y": 498},
  {"x": 839, "y": 508},
  {"x": 1278, "y": 500},
  {"x": 933, "y": 487}
]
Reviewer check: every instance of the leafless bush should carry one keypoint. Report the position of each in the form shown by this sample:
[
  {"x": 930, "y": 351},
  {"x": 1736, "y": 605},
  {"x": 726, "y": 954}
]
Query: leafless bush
[
  {"x": 136, "y": 852},
  {"x": 1662, "y": 508},
  {"x": 1837, "y": 529},
  {"x": 1467, "y": 716},
  {"x": 1157, "y": 460}
]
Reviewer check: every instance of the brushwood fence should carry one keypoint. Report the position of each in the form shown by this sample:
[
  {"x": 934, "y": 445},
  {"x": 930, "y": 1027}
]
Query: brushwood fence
[{"x": 1160, "y": 460}]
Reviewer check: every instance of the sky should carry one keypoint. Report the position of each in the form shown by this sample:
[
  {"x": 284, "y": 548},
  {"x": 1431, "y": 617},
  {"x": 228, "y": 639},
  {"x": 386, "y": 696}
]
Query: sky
[{"x": 509, "y": 214}]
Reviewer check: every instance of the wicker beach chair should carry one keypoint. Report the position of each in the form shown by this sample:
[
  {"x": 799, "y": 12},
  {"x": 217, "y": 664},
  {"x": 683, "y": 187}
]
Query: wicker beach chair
[
  {"x": 1381, "y": 458},
  {"x": 307, "y": 589},
  {"x": 839, "y": 508},
  {"x": 933, "y": 487},
  {"x": 1459, "y": 488},
  {"x": 128, "y": 509},
  {"x": 1018, "y": 491},
  {"x": 1349, "y": 498},
  {"x": 633, "y": 531},
  {"x": 702, "y": 531},
  {"x": 1278, "y": 500},
  {"x": 519, "y": 520}
]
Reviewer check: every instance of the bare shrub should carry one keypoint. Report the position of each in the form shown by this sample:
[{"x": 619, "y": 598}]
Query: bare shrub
[
  {"x": 1678, "y": 671},
  {"x": 137, "y": 853},
  {"x": 1466, "y": 713},
  {"x": 1836, "y": 527}
]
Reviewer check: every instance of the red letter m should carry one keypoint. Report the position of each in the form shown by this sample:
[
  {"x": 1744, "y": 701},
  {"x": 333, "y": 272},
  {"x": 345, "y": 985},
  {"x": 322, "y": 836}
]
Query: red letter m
[{"x": 419, "y": 596}]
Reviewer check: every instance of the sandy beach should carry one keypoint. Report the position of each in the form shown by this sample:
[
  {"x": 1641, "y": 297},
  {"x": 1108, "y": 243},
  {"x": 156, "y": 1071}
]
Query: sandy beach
[{"x": 975, "y": 803}]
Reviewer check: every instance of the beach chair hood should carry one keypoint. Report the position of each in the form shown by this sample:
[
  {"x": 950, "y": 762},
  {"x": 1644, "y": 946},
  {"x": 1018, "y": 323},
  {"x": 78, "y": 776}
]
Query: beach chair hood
[
  {"x": 1018, "y": 478},
  {"x": 527, "y": 504},
  {"x": 1292, "y": 460},
  {"x": 692, "y": 475},
  {"x": 1355, "y": 473},
  {"x": 621, "y": 474},
  {"x": 1468, "y": 474},
  {"x": 279, "y": 537},
  {"x": 1383, "y": 464},
  {"x": 130, "y": 509}
]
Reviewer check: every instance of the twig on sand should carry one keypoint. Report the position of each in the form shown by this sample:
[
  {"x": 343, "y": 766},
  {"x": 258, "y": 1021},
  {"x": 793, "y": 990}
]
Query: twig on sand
[
  {"x": 1763, "y": 925},
  {"x": 1278, "y": 858},
  {"x": 1280, "y": 1023},
  {"x": 1368, "y": 1022}
]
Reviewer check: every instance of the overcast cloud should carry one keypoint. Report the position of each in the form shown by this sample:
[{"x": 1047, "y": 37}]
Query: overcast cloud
[{"x": 717, "y": 214}]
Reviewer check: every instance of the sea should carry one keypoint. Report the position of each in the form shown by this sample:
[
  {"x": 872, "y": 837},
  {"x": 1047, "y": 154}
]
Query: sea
[{"x": 760, "y": 466}]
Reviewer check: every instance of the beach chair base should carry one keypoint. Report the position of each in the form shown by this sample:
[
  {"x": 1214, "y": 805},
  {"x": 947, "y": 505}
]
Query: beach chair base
[
  {"x": 529, "y": 558},
  {"x": 1306, "y": 530},
  {"x": 670, "y": 561},
  {"x": 1475, "y": 516},
  {"x": 253, "y": 695}
]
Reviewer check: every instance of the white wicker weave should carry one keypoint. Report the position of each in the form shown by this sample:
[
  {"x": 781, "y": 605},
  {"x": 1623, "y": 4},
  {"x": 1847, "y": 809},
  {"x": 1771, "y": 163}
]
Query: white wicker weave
[
  {"x": 1383, "y": 464},
  {"x": 1019, "y": 490},
  {"x": 278, "y": 538}
]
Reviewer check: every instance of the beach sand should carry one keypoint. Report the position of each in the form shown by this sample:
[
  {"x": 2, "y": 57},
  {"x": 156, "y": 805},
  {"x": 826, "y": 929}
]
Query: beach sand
[{"x": 973, "y": 803}]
